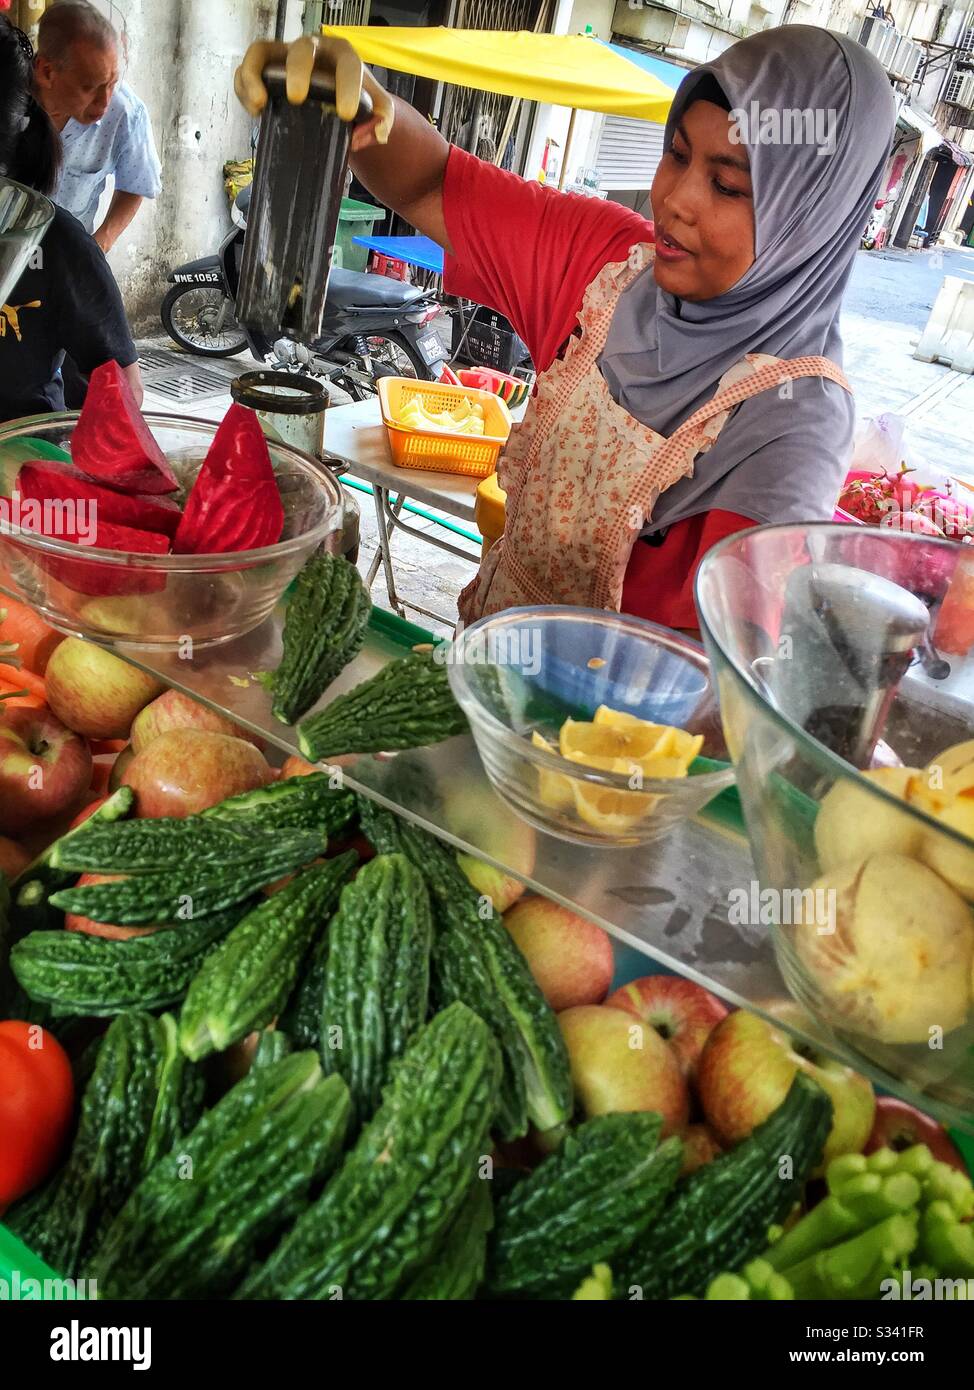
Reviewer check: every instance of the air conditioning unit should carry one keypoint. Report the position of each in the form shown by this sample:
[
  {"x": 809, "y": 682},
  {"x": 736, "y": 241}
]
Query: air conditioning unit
[
  {"x": 656, "y": 26},
  {"x": 905, "y": 61}
]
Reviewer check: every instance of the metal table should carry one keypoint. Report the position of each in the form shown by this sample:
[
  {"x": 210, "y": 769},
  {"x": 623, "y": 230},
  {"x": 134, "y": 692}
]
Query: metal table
[{"x": 355, "y": 435}]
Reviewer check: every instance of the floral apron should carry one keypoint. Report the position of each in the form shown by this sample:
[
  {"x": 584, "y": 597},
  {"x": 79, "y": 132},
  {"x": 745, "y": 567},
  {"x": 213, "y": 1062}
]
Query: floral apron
[{"x": 582, "y": 476}]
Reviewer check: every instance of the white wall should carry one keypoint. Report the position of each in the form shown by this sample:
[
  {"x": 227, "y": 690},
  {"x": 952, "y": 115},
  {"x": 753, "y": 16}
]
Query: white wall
[{"x": 181, "y": 62}]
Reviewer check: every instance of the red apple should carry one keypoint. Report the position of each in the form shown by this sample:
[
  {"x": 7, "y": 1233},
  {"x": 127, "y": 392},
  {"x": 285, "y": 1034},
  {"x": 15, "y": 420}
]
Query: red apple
[
  {"x": 87, "y": 811},
  {"x": 13, "y": 858},
  {"x": 618, "y": 1064},
  {"x": 174, "y": 710},
  {"x": 187, "y": 770},
  {"x": 94, "y": 692},
  {"x": 699, "y": 1147},
  {"x": 899, "y": 1126},
  {"x": 73, "y": 921},
  {"x": 44, "y": 767},
  {"x": 744, "y": 1073},
  {"x": 683, "y": 1013},
  {"x": 298, "y": 767},
  {"x": 570, "y": 957}
]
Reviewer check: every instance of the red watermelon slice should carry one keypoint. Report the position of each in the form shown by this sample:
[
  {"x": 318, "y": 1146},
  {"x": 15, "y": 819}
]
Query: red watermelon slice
[
  {"x": 234, "y": 503},
  {"x": 46, "y": 480},
  {"x": 111, "y": 441},
  {"x": 510, "y": 389}
]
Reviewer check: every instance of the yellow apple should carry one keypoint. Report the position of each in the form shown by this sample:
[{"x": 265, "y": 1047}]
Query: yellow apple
[
  {"x": 852, "y": 823},
  {"x": 898, "y": 963}
]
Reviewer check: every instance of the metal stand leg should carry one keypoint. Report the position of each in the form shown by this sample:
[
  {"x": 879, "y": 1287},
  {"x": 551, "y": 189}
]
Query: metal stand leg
[{"x": 380, "y": 498}]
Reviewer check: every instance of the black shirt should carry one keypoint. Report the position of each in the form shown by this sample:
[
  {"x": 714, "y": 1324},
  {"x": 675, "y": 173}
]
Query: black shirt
[{"x": 66, "y": 301}]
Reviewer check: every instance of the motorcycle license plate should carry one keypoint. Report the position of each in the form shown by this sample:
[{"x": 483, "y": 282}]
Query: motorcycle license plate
[{"x": 430, "y": 348}]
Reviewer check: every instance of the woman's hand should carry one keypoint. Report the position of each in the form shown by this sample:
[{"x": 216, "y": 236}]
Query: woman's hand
[{"x": 301, "y": 58}]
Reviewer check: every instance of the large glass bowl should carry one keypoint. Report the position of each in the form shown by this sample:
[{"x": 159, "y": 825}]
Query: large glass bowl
[
  {"x": 837, "y": 710},
  {"x": 527, "y": 670},
  {"x": 162, "y": 602}
]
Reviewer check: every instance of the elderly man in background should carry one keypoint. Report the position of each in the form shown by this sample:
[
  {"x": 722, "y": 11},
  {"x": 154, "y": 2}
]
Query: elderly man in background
[{"x": 104, "y": 126}]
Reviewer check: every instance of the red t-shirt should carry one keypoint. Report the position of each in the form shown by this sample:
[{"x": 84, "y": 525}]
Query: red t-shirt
[{"x": 531, "y": 253}]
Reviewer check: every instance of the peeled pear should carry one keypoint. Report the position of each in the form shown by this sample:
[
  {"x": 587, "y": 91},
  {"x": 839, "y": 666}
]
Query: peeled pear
[
  {"x": 899, "y": 962},
  {"x": 945, "y": 790},
  {"x": 851, "y": 824}
]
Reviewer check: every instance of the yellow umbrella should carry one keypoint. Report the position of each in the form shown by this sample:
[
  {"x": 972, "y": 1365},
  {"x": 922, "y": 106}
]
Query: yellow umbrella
[{"x": 573, "y": 70}]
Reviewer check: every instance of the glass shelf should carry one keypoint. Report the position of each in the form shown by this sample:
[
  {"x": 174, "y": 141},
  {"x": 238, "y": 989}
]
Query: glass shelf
[{"x": 668, "y": 900}]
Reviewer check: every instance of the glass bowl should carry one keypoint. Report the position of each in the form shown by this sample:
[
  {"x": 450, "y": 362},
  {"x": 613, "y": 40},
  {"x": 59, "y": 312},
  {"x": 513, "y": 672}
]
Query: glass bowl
[
  {"x": 526, "y": 670},
  {"x": 159, "y": 602},
  {"x": 843, "y": 665}
]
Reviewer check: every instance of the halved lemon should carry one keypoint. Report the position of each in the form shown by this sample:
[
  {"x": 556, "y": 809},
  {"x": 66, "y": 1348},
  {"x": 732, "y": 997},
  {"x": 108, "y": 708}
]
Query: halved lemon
[
  {"x": 633, "y": 742},
  {"x": 610, "y": 811}
]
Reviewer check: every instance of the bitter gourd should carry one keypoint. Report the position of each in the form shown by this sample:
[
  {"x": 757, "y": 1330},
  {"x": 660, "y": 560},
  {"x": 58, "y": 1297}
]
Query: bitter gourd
[
  {"x": 301, "y": 1017},
  {"x": 141, "y": 1098},
  {"x": 718, "y": 1217},
  {"x": 456, "y": 1268},
  {"x": 311, "y": 802},
  {"x": 475, "y": 960},
  {"x": 162, "y": 845},
  {"x": 408, "y": 704},
  {"x": 192, "y": 1226},
  {"x": 193, "y": 890},
  {"x": 32, "y": 889},
  {"x": 387, "y": 1208},
  {"x": 273, "y": 1045},
  {"x": 246, "y": 981},
  {"x": 582, "y": 1205},
  {"x": 377, "y": 979},
  {"x": 324, "y": 628},
  {"x": 91, "y": 975}
]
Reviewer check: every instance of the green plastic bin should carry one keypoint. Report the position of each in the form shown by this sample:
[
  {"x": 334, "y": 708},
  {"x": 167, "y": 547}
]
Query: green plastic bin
[{"x": 355, "y": 219}]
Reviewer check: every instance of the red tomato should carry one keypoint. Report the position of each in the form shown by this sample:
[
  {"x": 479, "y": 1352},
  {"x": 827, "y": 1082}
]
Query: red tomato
[{"x": 36, "y": 1105}]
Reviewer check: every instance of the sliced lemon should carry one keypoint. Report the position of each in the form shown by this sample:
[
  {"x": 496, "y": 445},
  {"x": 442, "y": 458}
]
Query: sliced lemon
[
  {"x": 554, "y": 788},
  {"x": 685, "y": 746},
  {"x": 604, "y": 741},
  {"x": 610, "y": 811}
]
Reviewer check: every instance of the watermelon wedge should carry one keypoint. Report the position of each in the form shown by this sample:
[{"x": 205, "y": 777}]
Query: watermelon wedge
[
  {"x": 57, "y": 482},
  {"x": 234, "y": 503},
  {"x": 86, "y": 576},
  {"x": 511, "y": 389},
  {"x": 111, "y": 441}
]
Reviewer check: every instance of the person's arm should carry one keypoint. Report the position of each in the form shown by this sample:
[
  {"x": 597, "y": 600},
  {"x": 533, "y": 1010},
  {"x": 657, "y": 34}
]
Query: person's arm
[
  {"x": 121, "y": 211},
  {"x": 134, "y": 377}
]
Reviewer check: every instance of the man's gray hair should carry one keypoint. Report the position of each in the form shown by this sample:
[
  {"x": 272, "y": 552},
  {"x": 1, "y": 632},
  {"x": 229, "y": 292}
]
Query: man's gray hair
[{"x": 68, "y": 21}]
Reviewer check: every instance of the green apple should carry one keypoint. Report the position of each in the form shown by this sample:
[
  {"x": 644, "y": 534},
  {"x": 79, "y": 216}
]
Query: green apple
[{"x": 499, "y": 833}]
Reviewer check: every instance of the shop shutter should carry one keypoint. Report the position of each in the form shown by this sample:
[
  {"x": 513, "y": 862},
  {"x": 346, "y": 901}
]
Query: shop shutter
[{"x": 628, "y": 153}]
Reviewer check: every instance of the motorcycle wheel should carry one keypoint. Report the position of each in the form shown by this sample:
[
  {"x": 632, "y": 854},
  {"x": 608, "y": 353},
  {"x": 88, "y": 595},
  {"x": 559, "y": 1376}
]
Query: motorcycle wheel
[
  {"x": 188, "y": 315},
  {"x": 392, "y": 354}
]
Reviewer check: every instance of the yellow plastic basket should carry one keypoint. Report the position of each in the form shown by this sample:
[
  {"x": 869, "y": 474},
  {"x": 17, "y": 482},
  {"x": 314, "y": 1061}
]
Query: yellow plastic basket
[{"x": 475, "y": 456}]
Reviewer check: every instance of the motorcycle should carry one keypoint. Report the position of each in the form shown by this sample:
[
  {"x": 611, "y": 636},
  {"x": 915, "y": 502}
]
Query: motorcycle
[{"x": 373, "y": 326}]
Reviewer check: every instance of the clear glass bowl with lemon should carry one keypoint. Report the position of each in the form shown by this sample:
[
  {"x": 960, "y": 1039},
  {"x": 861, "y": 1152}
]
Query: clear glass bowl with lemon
[{"x": 595, "y": 726}]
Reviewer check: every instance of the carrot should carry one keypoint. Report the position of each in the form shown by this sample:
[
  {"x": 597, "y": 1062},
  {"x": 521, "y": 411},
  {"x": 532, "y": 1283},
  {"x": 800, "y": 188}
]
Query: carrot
[
  {"x": 23, "y": 679},
  {"x": 36, "y": 640},
  {"x": 13, "y": 697}
]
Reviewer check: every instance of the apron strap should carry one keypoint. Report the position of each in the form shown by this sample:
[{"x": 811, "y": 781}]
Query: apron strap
[{"x": 773, "y": 373}]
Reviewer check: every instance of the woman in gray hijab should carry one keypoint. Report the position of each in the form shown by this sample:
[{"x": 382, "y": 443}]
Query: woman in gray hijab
[{"x": 690, "y": 378}]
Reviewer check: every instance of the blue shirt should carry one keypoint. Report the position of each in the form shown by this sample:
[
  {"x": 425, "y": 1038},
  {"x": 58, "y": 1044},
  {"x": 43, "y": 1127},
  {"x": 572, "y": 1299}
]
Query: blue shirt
[{"x": 120, "y": 144}]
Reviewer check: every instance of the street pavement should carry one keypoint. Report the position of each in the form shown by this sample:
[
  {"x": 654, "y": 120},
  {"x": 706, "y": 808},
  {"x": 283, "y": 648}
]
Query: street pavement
[{"x": 886, "y": 307}]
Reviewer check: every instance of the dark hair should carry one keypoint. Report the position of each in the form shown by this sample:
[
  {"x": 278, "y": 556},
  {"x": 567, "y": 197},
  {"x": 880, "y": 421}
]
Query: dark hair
[
  {"x": 30, "y": 147},
  {"x": 709, "y": 89}
]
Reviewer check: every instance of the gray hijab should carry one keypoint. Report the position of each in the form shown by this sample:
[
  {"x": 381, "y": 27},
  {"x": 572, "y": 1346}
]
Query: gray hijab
[{"x": 663, "y": 358}]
